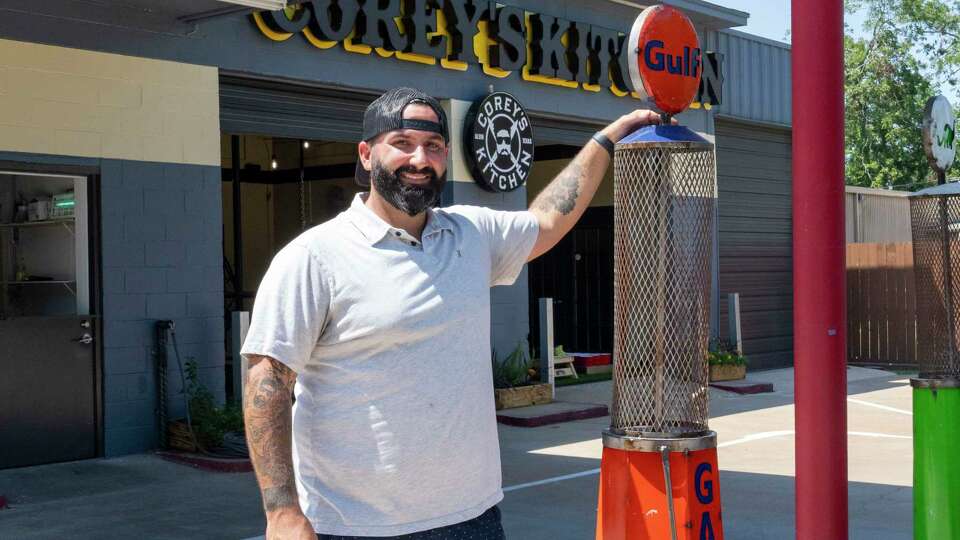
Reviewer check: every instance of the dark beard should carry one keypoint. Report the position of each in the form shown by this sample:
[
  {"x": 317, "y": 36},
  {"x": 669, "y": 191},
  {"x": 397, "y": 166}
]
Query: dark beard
[{"x": 409, "y": 199}]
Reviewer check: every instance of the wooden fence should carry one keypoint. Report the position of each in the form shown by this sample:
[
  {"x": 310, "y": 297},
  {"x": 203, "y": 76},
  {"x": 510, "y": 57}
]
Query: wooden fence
[{"x": 881, "y": 304}]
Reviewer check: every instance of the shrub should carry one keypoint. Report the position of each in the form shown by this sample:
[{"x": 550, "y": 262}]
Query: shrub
[
  {"x": 514, "y": 369},
  {"x": 722, "y": 353},
  {"x": 210, "y": 421}
]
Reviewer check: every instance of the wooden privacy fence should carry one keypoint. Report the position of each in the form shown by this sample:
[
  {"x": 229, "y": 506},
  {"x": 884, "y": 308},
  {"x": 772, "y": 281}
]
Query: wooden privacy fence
[{"x": 881, "y": 304}]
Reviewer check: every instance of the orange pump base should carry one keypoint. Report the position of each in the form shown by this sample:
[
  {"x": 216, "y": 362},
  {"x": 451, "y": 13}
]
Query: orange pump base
[{"x": 633, "y": 505}]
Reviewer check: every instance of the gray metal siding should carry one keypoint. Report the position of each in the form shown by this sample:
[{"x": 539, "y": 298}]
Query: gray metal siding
[
  {"x": 875, "y": 215},
  {"x": 756, "y": 85},
  {"x": 755, "y": 229}
]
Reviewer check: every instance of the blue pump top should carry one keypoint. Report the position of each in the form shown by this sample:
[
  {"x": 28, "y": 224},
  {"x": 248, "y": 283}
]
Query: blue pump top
[{"x": 663, "y": 134}]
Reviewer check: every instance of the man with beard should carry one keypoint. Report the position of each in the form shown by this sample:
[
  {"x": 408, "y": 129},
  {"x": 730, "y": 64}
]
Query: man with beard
[{"x": 379, "y": 322}]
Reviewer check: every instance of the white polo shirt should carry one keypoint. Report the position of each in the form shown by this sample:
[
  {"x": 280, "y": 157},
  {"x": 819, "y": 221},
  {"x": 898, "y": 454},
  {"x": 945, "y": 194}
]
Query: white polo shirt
[{"x": 394, "y": 424}]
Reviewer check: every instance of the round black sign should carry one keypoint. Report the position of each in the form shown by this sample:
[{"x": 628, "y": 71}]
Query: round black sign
[{"x": 498, "y": 142}]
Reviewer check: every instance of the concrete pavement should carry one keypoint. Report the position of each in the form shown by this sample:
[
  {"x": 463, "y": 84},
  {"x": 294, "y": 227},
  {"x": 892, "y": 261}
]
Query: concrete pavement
[{"x": 550, "y": 476}]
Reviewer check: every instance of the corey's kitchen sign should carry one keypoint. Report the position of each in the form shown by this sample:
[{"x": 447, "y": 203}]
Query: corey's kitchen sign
[{"x": 501, "y": 39}]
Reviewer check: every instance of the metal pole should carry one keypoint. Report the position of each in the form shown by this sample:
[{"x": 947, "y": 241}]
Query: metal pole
[
  {"x": 303, "y": 193},
  {"x": 733, "y": 313},
  {"x": 237, "y": 224},
  {"x": 818, "y": 270},
  {"x": 239, "y": 324},
  {"x": 546, "y": 344}
]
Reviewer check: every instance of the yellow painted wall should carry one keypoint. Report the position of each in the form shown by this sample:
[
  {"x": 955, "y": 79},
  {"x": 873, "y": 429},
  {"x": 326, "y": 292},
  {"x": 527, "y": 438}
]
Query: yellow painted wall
[{"x": 56, "y": 100}]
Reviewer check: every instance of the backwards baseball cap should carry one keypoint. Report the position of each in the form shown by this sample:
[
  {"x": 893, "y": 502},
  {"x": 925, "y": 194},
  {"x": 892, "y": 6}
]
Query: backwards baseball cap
[{"x": 386, "y": 114}]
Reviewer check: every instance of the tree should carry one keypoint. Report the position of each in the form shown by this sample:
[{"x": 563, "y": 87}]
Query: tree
[{"x": 887, "y": 81}]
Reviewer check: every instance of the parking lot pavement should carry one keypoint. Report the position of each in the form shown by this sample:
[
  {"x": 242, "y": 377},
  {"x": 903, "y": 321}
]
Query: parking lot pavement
[
  {"x": 550, "y": 473},
  {"x": 550, "y": 476}
]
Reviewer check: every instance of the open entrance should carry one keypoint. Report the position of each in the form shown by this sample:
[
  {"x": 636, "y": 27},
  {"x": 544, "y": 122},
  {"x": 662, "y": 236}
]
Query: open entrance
[
  {"x": 49, "y": 388},
  {"x": 273, "y": 189},
  {"x": 578, "y": 272}
]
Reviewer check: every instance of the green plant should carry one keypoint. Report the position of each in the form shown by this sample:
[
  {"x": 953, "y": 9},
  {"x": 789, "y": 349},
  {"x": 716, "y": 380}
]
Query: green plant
[
  {"x": 210, "y": 421},
  {"x": 558, "y": 352},
  {"x": 514, "y": 369},
  {"x": 722, "y": 353}
]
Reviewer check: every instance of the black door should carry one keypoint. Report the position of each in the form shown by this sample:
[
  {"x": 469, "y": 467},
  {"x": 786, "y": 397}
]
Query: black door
[
  {"x": 578, "y": 274},
  {"x": 47, "y": 405}
]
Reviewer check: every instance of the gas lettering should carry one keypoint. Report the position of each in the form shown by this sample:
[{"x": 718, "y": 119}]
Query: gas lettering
[
  {"x": 685, "y": 64},
  {"x": 704, "y": 490}
]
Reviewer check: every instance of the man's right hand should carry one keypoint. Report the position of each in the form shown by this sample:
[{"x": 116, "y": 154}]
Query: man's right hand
[{"x": 289, "y": 524}]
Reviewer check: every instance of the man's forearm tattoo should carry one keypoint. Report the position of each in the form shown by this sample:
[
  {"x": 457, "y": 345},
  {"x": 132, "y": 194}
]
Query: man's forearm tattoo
[
  {"x": 267, "y": 405},
  {"x": 275, "y": 498},
  {"x": 561, "y": 195}
]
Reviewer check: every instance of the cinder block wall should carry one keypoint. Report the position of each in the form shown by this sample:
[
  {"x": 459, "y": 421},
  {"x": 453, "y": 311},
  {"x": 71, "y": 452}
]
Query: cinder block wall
[
  {"x": 153, "y": 128},
  {"x": 162, "y": 259}
]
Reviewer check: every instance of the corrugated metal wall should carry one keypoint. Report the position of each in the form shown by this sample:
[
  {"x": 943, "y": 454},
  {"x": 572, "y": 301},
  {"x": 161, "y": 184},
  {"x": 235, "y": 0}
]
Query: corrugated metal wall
[
  {"x": 755, "y": 230},
  {"x": 877, "y": 215},
  {"x": 756, "y": 73}
]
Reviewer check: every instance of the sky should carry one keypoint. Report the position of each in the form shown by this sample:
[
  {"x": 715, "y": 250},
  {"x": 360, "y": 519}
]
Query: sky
[{"x": 771, "y": 18}]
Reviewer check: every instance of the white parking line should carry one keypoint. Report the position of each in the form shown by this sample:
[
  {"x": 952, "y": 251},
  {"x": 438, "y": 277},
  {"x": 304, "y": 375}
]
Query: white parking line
[
  {"x": 749, "y": 438},
  {"x": 878, "y": 406},
  {"x": 552, "y": 480}
]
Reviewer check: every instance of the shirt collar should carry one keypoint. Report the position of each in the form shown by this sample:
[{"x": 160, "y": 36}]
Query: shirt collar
[{"x": 374, "y": 228}]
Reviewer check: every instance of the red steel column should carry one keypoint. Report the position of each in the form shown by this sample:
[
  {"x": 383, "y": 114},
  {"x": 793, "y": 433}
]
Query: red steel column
[{"x": 819, "y": 285}]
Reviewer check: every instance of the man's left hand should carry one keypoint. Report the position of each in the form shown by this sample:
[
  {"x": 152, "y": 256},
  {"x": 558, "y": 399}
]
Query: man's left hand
[{"x": 630, "y": 122}]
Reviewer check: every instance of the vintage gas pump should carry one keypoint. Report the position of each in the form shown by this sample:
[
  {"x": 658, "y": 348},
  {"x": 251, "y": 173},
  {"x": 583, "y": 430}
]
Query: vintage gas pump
[
  {"x": 935, "y": 220},
  {"x": 659, "y": 477}
]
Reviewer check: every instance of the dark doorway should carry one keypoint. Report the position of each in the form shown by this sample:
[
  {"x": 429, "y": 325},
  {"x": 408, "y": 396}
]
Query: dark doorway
[
  {"x": 48, "y": 351},
  {"x": 578, "y": 274}
]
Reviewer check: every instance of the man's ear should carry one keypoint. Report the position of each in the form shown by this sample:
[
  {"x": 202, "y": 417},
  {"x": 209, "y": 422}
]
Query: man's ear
[{"x": 363, "y": 149}]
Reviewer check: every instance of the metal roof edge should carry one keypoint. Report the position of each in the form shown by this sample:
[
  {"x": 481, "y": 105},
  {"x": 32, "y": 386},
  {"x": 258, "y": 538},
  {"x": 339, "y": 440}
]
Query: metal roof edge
[
  {"x": 721, "y": 17},
  {"x": 876, "y": 191},
  {"x": 759, "y": 39}
]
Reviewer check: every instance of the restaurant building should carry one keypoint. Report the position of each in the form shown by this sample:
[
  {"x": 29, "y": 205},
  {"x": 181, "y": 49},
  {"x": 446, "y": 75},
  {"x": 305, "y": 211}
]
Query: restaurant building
[{"x": 155, "y": 155}]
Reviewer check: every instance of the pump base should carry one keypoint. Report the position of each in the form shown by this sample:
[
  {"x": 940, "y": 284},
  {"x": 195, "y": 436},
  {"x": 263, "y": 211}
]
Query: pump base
[{"x": 633, "y": 505}]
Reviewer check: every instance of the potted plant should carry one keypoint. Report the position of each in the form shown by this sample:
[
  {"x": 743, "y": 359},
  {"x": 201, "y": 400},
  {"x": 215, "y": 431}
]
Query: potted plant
[
  {"x": 726, "y": 364},
  {"x": 209, "y": 422},
  {"x": 512, "y": 380}
]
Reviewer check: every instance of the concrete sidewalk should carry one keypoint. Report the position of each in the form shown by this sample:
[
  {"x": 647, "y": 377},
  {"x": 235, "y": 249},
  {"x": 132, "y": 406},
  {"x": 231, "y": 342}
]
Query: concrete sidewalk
[{"x": 550, "y": 476}]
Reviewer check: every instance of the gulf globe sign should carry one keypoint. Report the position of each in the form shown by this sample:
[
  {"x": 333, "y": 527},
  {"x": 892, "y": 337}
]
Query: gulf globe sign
[
  {"x": 665, "y": 67},
  {"x": 938, "y": 133}
]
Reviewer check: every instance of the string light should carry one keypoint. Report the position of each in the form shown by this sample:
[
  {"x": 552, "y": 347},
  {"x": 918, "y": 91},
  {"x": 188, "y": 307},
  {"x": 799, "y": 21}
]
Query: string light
[
  {"x": 273, "y": 162},
  {"x": 306, "y": 144}
]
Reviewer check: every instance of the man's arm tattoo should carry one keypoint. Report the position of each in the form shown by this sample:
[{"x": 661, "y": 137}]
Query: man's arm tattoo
[
  {"x": 562, "y": 193},
  {"x": 267, "y": 417}
]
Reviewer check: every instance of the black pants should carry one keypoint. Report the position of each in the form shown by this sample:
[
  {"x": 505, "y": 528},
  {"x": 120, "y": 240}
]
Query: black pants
[{"x": 486, "y": 526}]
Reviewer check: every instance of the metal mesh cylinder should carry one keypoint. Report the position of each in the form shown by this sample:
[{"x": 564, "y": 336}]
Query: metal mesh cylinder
[
  {"x": 935, "y": 220},
  {"x": 663, "y": 217}
]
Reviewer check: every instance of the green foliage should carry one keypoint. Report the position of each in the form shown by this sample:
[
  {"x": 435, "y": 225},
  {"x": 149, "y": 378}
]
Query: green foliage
[
  {"x": 886, "y": 87},
  {"x": 210, "y": 421},
  {"x": 514, "y": 369},
  {"x": 558, "y": 352},
  {"x": 722, "y": 353}
]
